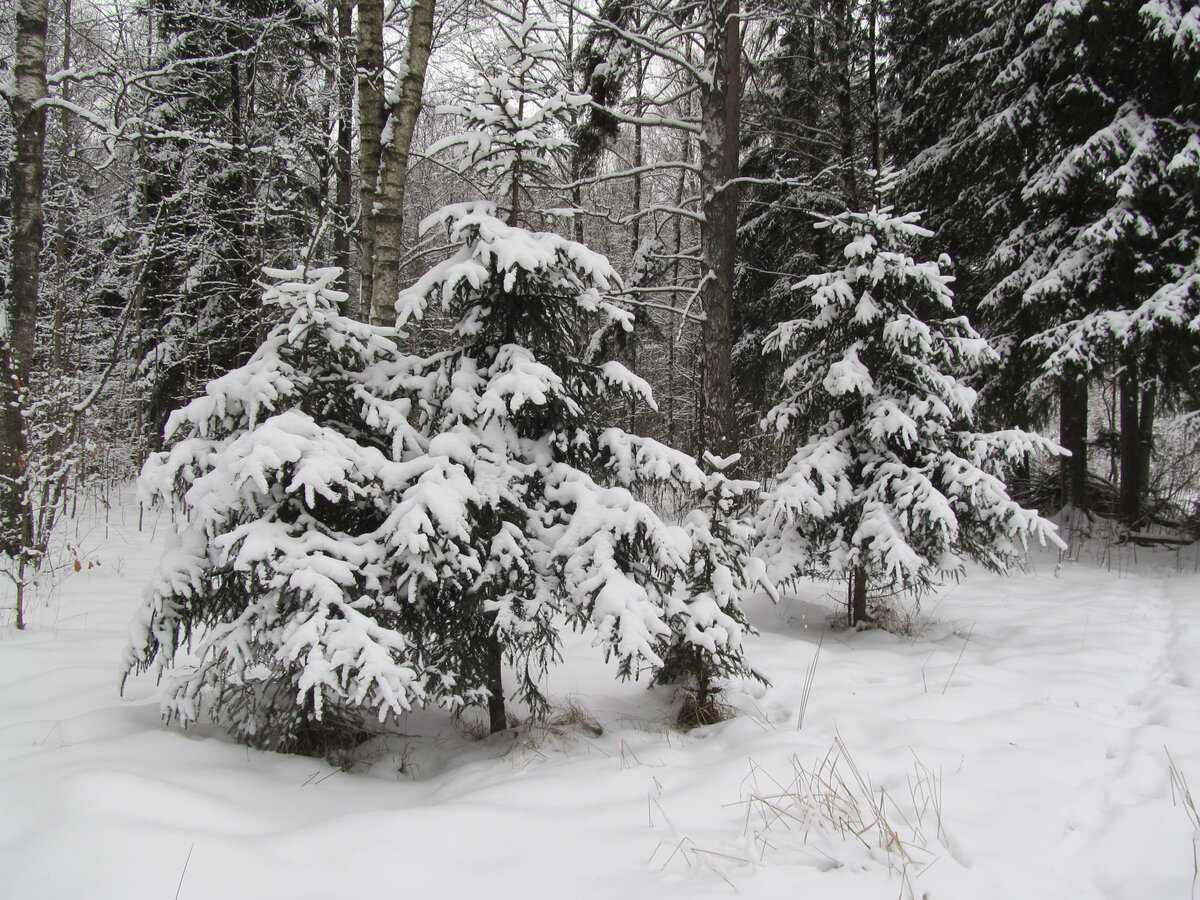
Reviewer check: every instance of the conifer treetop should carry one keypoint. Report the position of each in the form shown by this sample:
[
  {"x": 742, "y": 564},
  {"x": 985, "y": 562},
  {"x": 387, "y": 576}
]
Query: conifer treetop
[{"x": 488, "y": 246}]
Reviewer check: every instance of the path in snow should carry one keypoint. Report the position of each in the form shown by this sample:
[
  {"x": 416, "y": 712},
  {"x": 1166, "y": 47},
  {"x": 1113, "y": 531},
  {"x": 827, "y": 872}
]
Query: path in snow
[{"x": 1163, "y": 716}]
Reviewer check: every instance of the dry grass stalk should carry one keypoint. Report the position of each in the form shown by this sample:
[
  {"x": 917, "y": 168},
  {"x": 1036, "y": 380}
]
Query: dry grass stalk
[
  {"x": 833, "y": 797},
  {"x": 571, "y": 721},
  {"x": 695, "y": 712},
  {"x": 1181, "y": 795},
  {"x": 696, "y": 856},
  {"x": 809, "y": 676}
]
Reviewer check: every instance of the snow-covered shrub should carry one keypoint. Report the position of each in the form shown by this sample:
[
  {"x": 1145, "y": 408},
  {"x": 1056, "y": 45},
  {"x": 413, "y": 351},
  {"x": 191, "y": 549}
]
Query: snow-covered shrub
[
  {"x": 278, "y": 612},
  {"x": 554, "y": 527},
  {"x": 891, "y": 488},
  {"x": 364, "y": 530},
  {"x": 707, "y": 629}
]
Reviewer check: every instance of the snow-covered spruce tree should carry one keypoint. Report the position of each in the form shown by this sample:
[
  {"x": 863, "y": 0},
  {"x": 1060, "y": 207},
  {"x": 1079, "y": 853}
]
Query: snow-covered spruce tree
[
  {"x": 891, "y": 488},
  {"x": 1105, "y": 252},
  {"x": 228, "y": 180},
  {"x": 550, "y": 525},
  {"x": 526, "y": 304},
  {"x": 278, "y": 614},
  {"x": 706, "y": 631}
]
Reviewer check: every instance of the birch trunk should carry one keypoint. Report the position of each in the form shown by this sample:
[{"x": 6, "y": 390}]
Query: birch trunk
[
  {"x": 388, "y": 212},
  {"x": 370, "y": 130},
  {"x": 26, "y": 179}
]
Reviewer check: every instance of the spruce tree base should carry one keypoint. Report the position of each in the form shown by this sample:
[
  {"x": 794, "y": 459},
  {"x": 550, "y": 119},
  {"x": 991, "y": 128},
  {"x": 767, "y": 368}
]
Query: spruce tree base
[
  {"x": 1131, "y": 465},
  {"x": 1073, "y": 435},
  {"x": 856, "y": 598},
  {"x": 700, "y": 707},
  {"x": 497, "y": 715}
]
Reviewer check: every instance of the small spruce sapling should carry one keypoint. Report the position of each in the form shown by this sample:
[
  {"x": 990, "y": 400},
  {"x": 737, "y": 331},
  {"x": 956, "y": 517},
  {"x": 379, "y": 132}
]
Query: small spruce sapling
[
  {"x": 708, "y": 622},
  {"x": 890, "y": 489},
  {"x": 557, "y": 530},
  {"x": 277, "y": 613}
]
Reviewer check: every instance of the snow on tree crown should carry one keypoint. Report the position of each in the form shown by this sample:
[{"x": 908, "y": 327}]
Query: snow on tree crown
[{"x": 492, "y": 252}]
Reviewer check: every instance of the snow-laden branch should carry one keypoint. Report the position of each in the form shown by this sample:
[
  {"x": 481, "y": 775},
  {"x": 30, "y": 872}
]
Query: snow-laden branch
[
  {"x": 687, "y": 307},
  {"x": 127, "y": 80},
  {"x": 649, "y": 304},
  {"x": 649, "y": 121},
  {"x": 628, "y": 173},
  {"x": 669, "y": 210}
]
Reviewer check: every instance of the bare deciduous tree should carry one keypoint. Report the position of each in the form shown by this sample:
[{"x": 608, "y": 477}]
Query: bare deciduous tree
[{"x": 26, "y": 182}]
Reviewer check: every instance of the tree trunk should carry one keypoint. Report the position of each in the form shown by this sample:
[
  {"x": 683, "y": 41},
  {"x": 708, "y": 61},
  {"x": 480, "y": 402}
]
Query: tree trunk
[
  {"x": 635, "y": 231},
  {"x": 856, "y": 598},
  {"x": 577, "y": 190},
  {"x": 873, "y": 89},
  {"x": 62, "y": 251},
  {"x": 343, "y": 214},
  {"x": 676, "y": 268},
  {"x": 1073, "y": 433},
  {"x": 810, "y": 114},
  {"x": 497, "y": 716},
  {"x": 244, "y": 232},
  {"x": 1131, "y": 466},
  {"x": 719, "y": 149},
  {"x": 393, "y": 167},
  {"x": 639, "y": 110},
  {"x": 54, "y": 484},
  {"x": 26, "y": 180},
  {"x": 1146, "y": 439},
  {"x": 842, "y": 24},
  {"x": 369, "y": 52},
  {"x": 150, "y": 437}
]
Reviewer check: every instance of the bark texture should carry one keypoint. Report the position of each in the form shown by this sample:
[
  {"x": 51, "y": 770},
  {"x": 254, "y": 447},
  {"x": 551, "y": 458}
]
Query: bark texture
[
  {"x": 1073, "y": 434},
  {"x": 1149, "y": 400},
  {"x": 388, "y": 212},
  {"x": 1131, "y": 465},
  {"x": 719, "y": 148},
  {"x": 856, "y": 600},
  {"x": 343, "y": 214},
  {"x": 370, "y": 130},
  {"x": 842, "y": 27},
  {"x": 26, "y": 180},
  {"x": 497, "y": 715}
]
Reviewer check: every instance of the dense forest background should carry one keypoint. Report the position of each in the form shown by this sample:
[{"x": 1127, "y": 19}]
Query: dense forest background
[{"x": 161, "y": 153}]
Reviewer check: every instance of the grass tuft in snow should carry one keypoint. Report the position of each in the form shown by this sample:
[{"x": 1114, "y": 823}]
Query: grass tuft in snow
[
  {"x": 700, "y": 708},
  {"x": 569, "y": 722},
  {"x": 842, "y": 819},
  {"x": 697, "y": 857}
]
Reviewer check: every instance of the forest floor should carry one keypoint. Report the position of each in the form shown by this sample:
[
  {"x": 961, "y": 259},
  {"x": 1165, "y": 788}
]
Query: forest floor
[{"x": 1018, "y": 742}]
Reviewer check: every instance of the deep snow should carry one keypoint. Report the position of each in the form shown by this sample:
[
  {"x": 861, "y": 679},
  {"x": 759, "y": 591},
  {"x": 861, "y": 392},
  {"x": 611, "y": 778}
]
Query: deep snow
[{"x": 1039, "y": 709}]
